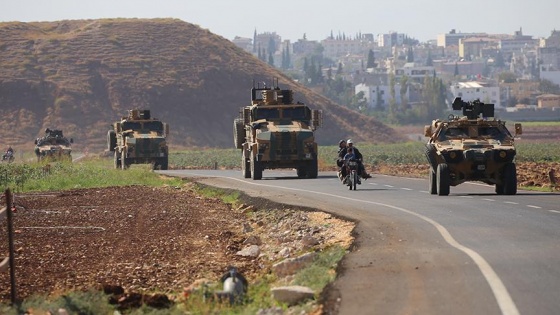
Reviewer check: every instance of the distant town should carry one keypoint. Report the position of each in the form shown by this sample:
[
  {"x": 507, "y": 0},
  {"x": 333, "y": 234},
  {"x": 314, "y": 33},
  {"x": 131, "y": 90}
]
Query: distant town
[{"x": 401, "y": 80}]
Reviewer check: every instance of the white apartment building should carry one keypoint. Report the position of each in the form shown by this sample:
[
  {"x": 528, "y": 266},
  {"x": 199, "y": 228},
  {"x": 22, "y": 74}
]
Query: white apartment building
[
  {"x": 379, "y": 95},
  {"x": 335, "y": 48},
  {"x": 390, "y": 40},
  {"x": 470, "y": 91},
  {"x": 547, "y": 72},
  {"x": 414, "y": 71}
]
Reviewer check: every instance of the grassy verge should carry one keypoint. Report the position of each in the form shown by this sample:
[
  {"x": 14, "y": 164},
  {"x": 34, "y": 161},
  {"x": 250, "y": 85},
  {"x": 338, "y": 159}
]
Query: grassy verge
[
  {"x": 66, "y": 175},
  {"x": 374, "y": 154}
]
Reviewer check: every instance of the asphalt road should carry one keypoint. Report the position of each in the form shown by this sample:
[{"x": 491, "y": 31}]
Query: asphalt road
[{"x": 472, "y": 252}]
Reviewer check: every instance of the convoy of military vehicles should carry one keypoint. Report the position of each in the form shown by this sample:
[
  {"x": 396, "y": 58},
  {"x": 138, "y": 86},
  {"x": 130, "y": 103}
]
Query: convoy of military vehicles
[{"x": 276, "y": 132}]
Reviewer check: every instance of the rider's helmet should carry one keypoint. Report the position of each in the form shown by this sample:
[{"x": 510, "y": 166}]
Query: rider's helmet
[{"x": 349, "y": 141}]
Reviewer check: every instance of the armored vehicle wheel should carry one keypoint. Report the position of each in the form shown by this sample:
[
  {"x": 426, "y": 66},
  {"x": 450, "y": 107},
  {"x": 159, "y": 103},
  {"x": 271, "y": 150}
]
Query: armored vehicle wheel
[
  {"x": 117, "y": 160},
  {"x": 162, "y": 163},
  {"x": 499, "y": 189},
  {"x": 510, "y": 179},
  {"x": 124, "y": 164},
  {"x": 313, "y": 169},
  {"x": 301, "y": 172},
  {"x": 256, "y": 169},
  {"x": 245, "y": 167},
  {"x": 432, "y": 181},
  {"x": 442, "y": 179}
]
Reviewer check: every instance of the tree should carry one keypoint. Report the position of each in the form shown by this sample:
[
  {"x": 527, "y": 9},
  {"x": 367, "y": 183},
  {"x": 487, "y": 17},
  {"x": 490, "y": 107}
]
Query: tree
[
  {"x": 288, "y": 58},
  {"x": 429, "y": 61},
  {"x": 339, "y": 69},
  {"x": 255, "y": 41},
  {"x": 270, "y": 59},
  {"x": 548, "y": 87},
  {"x": 499, "y": 60},
  {"x": 456, "y": 73},
  {"x": 393, "y": 110},
  {"x": 271, "y": 45},
  {"x": 403, "y": 90},
  {"x": 507, "y": 77},
  {"x": 370, "y": 60},
  {"x": 410, "y": 55}
]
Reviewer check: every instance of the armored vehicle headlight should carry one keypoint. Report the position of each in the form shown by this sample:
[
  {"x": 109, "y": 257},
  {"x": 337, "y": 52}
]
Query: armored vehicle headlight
[
  {"x": 452, "y": 155},
  {"x": 503, "y": 154}
]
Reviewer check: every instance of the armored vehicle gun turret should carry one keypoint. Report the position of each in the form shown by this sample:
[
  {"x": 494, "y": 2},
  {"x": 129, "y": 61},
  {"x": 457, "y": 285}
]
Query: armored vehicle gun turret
[
  {"x": 276, "y": 132},
  {"x": 53, "y": 146},
  {"x": 139, "y": 138},
  {"x": 474, "y": 147}
]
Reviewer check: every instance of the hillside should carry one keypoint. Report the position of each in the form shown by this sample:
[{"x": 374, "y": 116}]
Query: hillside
[{"x": 80, "y": 76}]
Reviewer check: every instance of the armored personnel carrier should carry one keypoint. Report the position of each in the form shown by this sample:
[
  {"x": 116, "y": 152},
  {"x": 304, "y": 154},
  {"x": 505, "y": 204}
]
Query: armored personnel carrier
[
  {"x": 53, "y": 146},
  {"x": 474, "y": 147},
  {"x": 139, "y": 139},
  {"x": 276, "y": 132}
]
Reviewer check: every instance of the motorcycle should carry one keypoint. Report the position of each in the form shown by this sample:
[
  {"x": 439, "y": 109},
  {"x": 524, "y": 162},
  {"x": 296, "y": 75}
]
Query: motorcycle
[
  {"x": 8, "y": 157},
  {"x": 352, "y": 176}
]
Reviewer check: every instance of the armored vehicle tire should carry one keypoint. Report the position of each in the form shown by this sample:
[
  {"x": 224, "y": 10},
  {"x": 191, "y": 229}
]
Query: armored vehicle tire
[
  {"x": 313, "y": 169},
  {"x": 510, "y": 179},
  {"x": 117, "y": 160},
  {"x": 111, "y": 140},
  {"x": 432, "y": 181},
  {"x": 499, "y": 189},
  {"x": 245, "y": 167},
  {"x": 162, "y": 163},
  {"x": 442, "y": 179},
  {"x": 301, "y": 172},
  {"x": 238, "y": 133},
  {"x": 256, "y": 169},
  {"x": 124, "y": 164}
]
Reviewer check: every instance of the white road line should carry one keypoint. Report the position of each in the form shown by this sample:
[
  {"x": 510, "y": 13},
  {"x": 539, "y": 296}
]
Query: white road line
[
  {"x": 536, "y": 207},
  {"x": 470, "y": 197},
  {"x": 504, "y": 300},
  {"x": 389, "y": 186},
  {"x": 511, "y": 202},
  {"x": 424, "y": 191},
  {"x": 404, "y": 188},
  {"x": 555, "y": 211},
  {"x": 488, "y": 199},
  {"x": 373, "y": 183}
]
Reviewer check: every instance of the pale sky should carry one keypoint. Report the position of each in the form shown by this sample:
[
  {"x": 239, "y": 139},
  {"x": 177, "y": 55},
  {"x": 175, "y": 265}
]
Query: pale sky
[{"x": 420, "y": 19}]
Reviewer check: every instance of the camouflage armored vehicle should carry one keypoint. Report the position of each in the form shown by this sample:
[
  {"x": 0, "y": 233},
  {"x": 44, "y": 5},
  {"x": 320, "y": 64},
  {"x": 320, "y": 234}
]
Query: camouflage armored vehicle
[
  {"x": 139, "y": 139},
  {"x": 276, "y": 132},
  {"x": 475, "y": 147},
  {"x": 53, "y": 146}
]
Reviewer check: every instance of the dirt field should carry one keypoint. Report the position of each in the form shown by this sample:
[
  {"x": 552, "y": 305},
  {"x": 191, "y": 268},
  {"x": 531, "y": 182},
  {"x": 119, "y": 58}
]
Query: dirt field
[{"x": 148, "y": 239}]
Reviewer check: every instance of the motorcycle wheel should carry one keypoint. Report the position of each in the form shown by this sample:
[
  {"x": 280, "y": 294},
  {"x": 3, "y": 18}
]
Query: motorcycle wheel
[{"x": 354, "y": 180}]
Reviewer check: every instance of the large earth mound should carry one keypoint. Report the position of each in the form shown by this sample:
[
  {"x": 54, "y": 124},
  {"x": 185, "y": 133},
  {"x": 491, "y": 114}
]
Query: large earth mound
[{"x": 81, "y": 75}]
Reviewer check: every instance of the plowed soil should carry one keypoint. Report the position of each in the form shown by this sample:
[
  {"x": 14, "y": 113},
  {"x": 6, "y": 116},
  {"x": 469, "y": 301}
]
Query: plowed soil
[{"x": 141, "y": 238}]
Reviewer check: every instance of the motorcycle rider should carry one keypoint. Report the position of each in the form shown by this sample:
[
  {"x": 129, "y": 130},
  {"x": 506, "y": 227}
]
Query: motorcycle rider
[
  {"x": 340, "y": 160},
  {"x": 9, "y": 153},
  {"x": 359, "y": 158}
]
